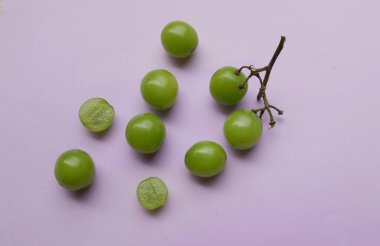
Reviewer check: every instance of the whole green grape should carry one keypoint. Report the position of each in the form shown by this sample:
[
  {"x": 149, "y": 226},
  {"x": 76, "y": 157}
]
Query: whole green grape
[
  {"x": 179, "y": 39},
  {"x": 152, "y": 193},
  {"x": 74, "y": 170},
  {"x": 159, "y": 89},
  {"x": 205, "y": 159},
  {"x": 96, "y": 114},
  {"x": 224, "y": 86},
  {"x": 243, "y": 129},
  {"x": 145, "y": 133}
]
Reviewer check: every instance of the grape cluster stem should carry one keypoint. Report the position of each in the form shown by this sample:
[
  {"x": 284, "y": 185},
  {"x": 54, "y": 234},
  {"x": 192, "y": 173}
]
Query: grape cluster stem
[{"x": 255, "y": 72}]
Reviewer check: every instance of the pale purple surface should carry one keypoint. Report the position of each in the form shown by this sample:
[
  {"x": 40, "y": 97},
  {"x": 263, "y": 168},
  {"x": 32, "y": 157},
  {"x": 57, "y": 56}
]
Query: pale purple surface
[{"x": 313, "y": 180}]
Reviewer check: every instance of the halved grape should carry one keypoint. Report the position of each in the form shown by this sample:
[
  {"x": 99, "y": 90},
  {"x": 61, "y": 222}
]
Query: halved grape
[
  {"x": 152, "y": 193},
  {"x": 96, "y": 114}
]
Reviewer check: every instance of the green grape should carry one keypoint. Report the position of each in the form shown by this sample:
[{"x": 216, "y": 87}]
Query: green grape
[
  {"x": 74, "y": 170},
  {"x": 224, "y": 86},
  {"x": 96, "y": 114},
  {"x": 242, "y": 129},
  {"x": 159, "y": 89},
  {"x": 152, "y": 193},
  {"x": 145, "y": 133},
  {"x": 179, "y": 39},
  {"x": 205, "y": 159}
]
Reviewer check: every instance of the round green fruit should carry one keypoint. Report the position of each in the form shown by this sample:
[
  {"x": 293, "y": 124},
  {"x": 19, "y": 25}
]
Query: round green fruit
[
  {"x": 145, "y": 133},
  {"x": 243, "y": 129},
  {"x": 224, "y": 86},
  {"x": 96, "y": 114},
  {"x": 152, "y": 193},
  {"x": 179, "y": 39},
  {"x": 205, "y": 159},
  {"x": 74, "y": 170},
  {"x": 159, "y": 89}
]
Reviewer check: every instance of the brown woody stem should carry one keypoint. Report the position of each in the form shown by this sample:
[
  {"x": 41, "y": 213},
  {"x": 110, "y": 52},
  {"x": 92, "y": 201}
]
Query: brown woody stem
[
  {"x": 263, "y": 83},
  {"x": 271, "y": 63}
]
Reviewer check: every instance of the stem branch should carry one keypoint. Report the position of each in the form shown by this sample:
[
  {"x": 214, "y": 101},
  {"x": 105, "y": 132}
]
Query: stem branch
[
  {"x": 263, "y": 83},
  {"x": 271, "y": 63}
]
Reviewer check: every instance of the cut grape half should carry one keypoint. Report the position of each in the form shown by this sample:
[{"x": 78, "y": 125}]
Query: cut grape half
[
  {"x": 152, "y": 193},
  {"x": 96, "y": 114}
]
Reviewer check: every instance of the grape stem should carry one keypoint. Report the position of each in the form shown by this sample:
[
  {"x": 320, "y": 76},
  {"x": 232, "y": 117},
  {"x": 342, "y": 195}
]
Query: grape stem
[{"x": 263, "y": 84}]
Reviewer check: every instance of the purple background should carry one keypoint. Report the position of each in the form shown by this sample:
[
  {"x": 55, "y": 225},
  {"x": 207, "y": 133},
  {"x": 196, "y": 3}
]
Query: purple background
[{"x": 313, "y": 180}]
